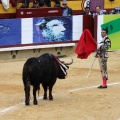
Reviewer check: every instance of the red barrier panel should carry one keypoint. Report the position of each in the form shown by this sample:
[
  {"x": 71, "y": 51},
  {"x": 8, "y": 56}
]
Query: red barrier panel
[
  {"x": 38, "y": 12},
  {"x": 88, "y": 23},
  {"x": 7, "y": 15}
]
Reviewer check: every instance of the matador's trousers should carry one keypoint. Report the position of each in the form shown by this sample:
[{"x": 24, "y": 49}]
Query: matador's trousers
[{"x": 103, "y": 66}]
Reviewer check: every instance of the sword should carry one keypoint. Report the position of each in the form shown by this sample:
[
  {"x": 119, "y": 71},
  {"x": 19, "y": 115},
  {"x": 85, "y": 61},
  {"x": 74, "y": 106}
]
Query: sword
[{"x": 90, "y": 68}]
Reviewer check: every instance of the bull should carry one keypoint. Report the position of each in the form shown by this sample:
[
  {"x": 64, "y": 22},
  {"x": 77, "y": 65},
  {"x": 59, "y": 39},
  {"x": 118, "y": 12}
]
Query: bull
[{"x": 44, "y": 70}]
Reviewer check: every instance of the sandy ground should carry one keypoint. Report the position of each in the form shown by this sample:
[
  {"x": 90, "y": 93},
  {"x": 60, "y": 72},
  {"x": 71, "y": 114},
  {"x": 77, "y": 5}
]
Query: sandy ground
[{"x": 75, "y": 98}]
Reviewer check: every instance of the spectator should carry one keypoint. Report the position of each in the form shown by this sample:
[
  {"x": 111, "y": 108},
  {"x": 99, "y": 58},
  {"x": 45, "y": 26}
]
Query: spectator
[
  {"x": 99, "y": 11},
  {"x": 35, "y": 4},
  {"x": 48, "y": 3},
  {"x": 57, "y": 3},
  {"x": 41, "y": 2},
  {"x": 116, "y": 10},
  {"x": 87, "y": 11},
  {"x": 66, "y": 11},
  {"x": 25, "y": 4}
]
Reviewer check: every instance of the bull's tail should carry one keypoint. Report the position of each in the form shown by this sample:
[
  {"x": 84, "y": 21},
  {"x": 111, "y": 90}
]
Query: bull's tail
[
  {"x": 26, "y": 81},
  {"x": 27, "y": 91}
]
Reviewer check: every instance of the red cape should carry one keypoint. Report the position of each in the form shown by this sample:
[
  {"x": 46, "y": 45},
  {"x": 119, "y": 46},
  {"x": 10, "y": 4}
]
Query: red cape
[{"x": 86, "y": 45}]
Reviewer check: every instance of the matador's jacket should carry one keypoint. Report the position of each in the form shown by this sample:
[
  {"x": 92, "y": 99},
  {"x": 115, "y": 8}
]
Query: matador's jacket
[{"x": 102, "y": 53}]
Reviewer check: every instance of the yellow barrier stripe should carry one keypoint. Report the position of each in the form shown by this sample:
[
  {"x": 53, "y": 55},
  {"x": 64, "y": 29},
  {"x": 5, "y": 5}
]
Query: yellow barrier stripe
[{"x": 75, "y": 6}]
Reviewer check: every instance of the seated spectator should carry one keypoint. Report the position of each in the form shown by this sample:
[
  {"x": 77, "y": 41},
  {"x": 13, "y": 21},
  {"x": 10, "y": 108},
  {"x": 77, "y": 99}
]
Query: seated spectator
[
  {"x": 57, "y": 3},
  {"x": 66, "y": 11},
  {"x": 116, "y": 10},
  {"x": 48, "y": 3},
  {"x": 87, "y": 11},
  {"x": 99, "y": 11},
  {"x": 24, "y": 4},
  {"x": 43, "y": 2},
  {"x": 35, "y": 4}
]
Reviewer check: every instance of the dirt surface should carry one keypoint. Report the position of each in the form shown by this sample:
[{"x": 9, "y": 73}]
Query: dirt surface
[{"x": 75, "y": 98}]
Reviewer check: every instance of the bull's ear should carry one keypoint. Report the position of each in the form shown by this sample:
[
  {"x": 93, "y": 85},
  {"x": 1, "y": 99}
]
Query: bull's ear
[{"x": 62, "y": 62}]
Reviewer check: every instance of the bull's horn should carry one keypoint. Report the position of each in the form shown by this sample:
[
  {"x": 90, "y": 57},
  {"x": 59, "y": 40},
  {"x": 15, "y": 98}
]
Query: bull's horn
[{"x": 69, "y": 63}]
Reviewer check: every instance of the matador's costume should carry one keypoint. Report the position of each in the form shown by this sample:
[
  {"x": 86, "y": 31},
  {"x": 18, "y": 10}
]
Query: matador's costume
[{"x": 102, "y": 53}]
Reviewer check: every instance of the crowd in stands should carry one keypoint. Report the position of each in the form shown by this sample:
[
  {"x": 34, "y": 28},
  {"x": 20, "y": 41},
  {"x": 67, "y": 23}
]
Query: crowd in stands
[
  {"x": 99, "y": 11},
  {"x": 66, "y": 11},
  {"x": 40, "y": 3}
]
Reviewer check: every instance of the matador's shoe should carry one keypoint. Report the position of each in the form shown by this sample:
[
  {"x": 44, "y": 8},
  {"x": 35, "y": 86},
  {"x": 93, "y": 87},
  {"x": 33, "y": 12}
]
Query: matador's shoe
[{"x": 102, "y": 87}]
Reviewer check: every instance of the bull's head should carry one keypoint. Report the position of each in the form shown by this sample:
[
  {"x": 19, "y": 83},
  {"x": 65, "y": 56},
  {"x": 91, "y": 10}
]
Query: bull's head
[{"x": 63, "y": 70}]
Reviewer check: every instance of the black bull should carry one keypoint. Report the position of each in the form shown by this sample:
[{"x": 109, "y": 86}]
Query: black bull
[{"x": 42, "y": 70}]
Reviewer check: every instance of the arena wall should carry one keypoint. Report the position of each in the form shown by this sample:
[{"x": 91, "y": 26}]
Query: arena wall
[
  {"x": 16, "y": 52},
  {"x": 18, "y": 55}
]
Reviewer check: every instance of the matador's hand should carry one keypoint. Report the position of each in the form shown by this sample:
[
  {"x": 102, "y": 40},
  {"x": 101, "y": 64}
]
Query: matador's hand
[{"x": 96, "y": 56}]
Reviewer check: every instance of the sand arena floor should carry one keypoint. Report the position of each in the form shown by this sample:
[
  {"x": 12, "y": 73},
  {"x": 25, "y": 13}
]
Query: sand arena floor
[{"x": 75, "y": 98}]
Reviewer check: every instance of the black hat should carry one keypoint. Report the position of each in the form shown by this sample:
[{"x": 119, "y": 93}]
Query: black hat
[{"x": 35, "y": 2}]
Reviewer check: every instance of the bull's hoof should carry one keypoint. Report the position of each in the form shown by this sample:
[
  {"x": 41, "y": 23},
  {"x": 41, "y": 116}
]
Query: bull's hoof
[
  {"x": 35, "y": 102},
  {"x": 27, "y": 103},
  {"x": 51, "y": 98},
  {"x": 45, "y": 98}
]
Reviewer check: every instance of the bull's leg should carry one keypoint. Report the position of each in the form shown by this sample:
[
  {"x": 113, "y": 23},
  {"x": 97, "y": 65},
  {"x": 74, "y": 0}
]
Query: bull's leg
[
  {"x": 45, "y": 91},
  {"x": 34, "y": 94},
  {"x": 27, "y": 92},
  {"x": 50, "y": 88},
  {"x": 50, "y": 93}
]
